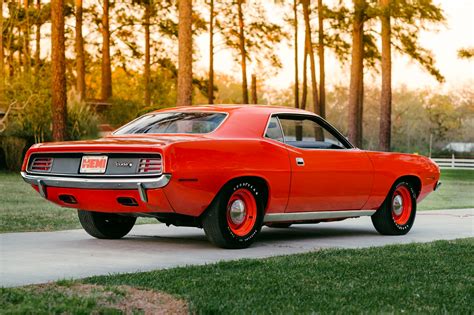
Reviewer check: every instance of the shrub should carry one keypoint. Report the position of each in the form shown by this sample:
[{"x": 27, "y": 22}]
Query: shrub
[
  {"x": 121, "y": 111},
  {"x": 14, "y": 148},
  {"x": 82, "y": 121}
]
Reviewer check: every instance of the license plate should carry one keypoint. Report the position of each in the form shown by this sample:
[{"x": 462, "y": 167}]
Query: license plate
[{"x": 93, "y": 164}]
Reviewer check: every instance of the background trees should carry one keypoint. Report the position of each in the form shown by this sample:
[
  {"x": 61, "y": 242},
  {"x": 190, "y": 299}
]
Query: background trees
[{"x": 150, "y": 54}]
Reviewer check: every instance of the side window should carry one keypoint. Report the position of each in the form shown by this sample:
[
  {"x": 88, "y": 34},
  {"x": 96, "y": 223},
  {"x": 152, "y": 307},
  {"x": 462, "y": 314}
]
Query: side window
[
  {"x": 305, "y": 133},
  {"x": 274, "y": 130}
]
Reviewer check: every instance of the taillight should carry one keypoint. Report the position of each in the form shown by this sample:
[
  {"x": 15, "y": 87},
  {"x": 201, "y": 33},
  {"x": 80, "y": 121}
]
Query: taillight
[
  {"x": 151, "y": 165},
  {"x": 41, "y": 164}
]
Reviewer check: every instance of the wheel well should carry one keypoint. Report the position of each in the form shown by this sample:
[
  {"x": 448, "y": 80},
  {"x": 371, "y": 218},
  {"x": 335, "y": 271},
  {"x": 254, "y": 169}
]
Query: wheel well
[
  {"x": 414, "y": 180},
  {"x": 258, "y": 181}
]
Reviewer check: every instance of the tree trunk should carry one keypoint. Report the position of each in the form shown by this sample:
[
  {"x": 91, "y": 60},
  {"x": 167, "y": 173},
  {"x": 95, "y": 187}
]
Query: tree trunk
[
  {"x": 106, "y": 86},
  {"x": 314, "y": 83},
  {"x": 147, "y": 54},
  {"x": 26, "y": 39},
  {"x": 185, "y": 54},
  {"x": 253, "y": 85},
  {"x": 243, "y": 54},
  {"x": 304, "y": 94},
  {"x": 322, "y": 73},
  {"x": 80, "y": 62},
  {"x": 2, "y": 54},
  {"x": 297, "y": 88},
  {"x": 357, "y": 58},
  {"x": 386, "y": 94},
  {"x": 360, "y": 108},
  {"x": 38, "y": 42},
  {"x": 210, "y": 87},
  {"x": 58, "y": 71}
]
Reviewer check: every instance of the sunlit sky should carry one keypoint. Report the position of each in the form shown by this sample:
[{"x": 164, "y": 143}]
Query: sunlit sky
[{"x": 457, "y": 33}]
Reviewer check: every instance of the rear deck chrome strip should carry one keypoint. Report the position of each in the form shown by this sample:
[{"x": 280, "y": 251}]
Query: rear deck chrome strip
[
  {"x": 319, "y": 215},
  {"x": 96, "y": 183}
]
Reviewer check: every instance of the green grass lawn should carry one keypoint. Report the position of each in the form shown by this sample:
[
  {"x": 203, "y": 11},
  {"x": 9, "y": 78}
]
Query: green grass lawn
[
  {"x": 426, "y": 278},
  {"x": 456, "y": 192},
  {"x": 22, "y": 209}
]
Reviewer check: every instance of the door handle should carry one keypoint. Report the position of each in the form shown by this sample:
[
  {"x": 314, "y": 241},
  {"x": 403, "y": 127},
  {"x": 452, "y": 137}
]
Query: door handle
[{"x": 299, "y": 161}]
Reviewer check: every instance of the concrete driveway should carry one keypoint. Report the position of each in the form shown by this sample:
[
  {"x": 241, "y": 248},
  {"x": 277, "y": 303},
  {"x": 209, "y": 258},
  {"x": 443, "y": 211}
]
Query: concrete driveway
[{"x": 38, "y": 257}]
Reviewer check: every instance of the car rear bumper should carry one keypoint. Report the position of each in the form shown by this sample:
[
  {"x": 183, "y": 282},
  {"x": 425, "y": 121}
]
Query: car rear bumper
[{"x": 140, "y": 184}]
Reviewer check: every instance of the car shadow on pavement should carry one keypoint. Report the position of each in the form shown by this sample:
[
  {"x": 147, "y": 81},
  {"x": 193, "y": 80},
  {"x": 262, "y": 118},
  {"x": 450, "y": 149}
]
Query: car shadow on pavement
[
  {"x": 300, "y": 232},
  {"x": 271, "y": 236}
]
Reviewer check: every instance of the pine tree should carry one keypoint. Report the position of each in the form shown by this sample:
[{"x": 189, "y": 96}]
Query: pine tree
[
  {"x": 79, "y": 45},
  {"x": 106, "y": 79},
  {"x": 58, "y": 71},
  {"x": 185, "y": 55}
]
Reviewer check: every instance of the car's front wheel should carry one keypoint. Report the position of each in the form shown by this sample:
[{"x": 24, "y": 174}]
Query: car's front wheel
[
  {"x": 105, "y": 225},
  {"x": 235, "y": 217},
  {"x": 397, "y": 214}
]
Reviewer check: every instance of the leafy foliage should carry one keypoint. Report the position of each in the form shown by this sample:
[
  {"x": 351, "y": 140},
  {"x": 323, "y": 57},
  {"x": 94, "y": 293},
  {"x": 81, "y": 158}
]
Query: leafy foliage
[{"x": 466, "y": 53}]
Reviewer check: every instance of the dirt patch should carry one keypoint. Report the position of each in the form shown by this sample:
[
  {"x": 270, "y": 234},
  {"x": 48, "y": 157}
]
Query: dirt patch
[{"x": 126, "y": 299}]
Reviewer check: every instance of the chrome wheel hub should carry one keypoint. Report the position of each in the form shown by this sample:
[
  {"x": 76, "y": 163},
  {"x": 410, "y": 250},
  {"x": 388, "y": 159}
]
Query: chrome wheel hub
[
  {"x": 397, "y": 205},
  {"x": 237, "y": 211}
]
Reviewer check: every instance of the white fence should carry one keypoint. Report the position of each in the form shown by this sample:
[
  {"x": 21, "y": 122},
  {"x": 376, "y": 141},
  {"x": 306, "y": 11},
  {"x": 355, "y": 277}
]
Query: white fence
[{"x": 464, "y": 164}]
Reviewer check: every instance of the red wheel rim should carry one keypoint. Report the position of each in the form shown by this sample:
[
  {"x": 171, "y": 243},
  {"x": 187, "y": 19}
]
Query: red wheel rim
[
  {"x": 241, "y": 212},
  {"x": 401, "y": 205}
]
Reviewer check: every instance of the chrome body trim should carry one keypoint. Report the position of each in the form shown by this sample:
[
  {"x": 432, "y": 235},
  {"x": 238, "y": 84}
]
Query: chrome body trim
[
  {"x": 95, "y": 183},
  {"x": 96, "y": 153},
  {"x": 319, "y": 215}
]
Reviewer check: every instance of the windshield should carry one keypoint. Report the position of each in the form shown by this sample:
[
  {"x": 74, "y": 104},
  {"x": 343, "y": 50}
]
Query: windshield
[{"x": 173, "y": 122}]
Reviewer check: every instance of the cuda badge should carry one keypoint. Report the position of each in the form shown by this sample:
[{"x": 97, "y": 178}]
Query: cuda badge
[{"x": 123, "y": 164}]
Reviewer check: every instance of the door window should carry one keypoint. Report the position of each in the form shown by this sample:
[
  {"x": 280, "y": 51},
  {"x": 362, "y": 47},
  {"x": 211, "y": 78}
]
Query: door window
[
  {"x": 274, "y": 130},
  {"x": 306, "y": 133}
]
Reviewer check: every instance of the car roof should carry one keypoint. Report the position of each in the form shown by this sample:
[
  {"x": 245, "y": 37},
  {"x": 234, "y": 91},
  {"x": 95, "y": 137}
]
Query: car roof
[
  {"x": 229, "y": 108},
  {"x": 243, "y": 121}
]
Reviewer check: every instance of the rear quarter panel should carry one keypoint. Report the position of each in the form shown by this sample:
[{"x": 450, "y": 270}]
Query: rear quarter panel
[
  {"x": 200, "y": 169},
  {"x": 389, "y": 167}
]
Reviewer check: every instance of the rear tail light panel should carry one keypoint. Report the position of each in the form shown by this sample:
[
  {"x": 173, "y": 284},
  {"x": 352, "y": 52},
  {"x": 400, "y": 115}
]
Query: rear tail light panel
[
  {"x": 118, "y": 165},
  {"x": 150, "y": 166},
  {"x": 41, "y": 165}
]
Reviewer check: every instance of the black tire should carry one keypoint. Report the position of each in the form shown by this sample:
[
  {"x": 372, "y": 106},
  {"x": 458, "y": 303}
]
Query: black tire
[
  {"x": 105, "y": 225},
  {"x": 215, "y": 220},
  {"x": 279, "y": 225},
  {"x": 385, "y": 221}
]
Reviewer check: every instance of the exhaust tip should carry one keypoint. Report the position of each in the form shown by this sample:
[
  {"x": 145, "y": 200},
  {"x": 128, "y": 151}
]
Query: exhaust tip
[
  {"x": 69, "y": 199},
  {"x": 127, "y": 201}
]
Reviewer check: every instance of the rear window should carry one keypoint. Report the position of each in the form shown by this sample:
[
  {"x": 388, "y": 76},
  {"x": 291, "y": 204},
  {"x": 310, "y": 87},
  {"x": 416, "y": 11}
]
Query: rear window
[{"x": 173, "y": 122}]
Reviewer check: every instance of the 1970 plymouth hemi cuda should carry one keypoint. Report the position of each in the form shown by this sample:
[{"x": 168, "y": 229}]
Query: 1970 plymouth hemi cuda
[{"x": 229, "y": 170}]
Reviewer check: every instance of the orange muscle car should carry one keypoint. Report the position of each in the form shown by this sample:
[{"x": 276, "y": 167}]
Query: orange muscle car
[{"x": 229, "y": 170}]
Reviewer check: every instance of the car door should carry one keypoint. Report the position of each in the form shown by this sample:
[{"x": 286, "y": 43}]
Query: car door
[{"x": 327, "y": 172}]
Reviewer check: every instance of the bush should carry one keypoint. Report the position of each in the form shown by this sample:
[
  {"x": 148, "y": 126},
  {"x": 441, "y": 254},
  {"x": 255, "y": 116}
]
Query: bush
[
  {"x": 120, "y": 112},
  {"x": 13, "y": 148},
  {"x": 82, "y": 121},
  {"x": 30, "y": 120}
]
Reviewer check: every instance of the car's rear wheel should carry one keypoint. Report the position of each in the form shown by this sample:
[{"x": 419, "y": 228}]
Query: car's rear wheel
[
  {"x": 105, "y": 225},
  {"x": 397, "y": 214},
  {"x": 235, "y": 217}
]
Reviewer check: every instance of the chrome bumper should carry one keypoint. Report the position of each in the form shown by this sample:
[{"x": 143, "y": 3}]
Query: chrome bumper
[
  {"x": 43, "y": 181},
  {"x": 437, "y": 186}
]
